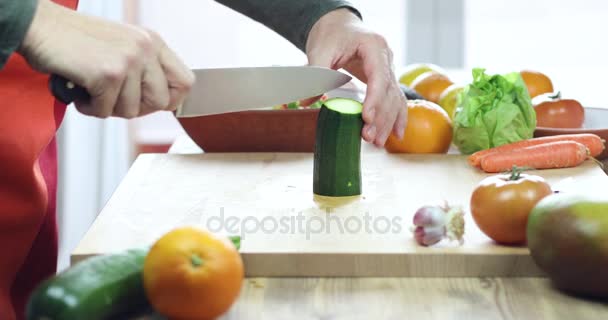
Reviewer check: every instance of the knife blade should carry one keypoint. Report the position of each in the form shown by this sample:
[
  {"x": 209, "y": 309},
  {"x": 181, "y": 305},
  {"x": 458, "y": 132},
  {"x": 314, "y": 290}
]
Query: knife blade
[
  {"x": 224, "y": 90},
  {"x": 234, "y": 89}
]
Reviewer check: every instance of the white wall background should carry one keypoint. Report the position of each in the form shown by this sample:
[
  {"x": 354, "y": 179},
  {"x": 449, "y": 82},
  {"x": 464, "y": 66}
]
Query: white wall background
[{"x": 564, "y": 39}]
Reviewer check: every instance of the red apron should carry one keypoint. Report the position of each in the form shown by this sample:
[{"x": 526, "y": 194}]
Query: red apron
[{"x": 29, "y": 118}]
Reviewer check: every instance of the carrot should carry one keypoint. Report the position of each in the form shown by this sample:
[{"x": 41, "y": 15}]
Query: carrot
[
  {"x": 550, "y": 155},
  {"x": 593, "y": 142}
]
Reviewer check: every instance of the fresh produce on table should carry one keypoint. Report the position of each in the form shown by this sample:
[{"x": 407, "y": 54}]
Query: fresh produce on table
[
  {"x": 431, "y": 84},
  {"x": 537, "y": 83},
  {"x": 494, "y": 110},
  {"x": 337, "y": 151},
  {"x": 100, "y": 287},
  {"x": 500, "y": 205},
  {"x": 435, "y": 223},
  {"x": 448, "y": 99},
  {"x": 299, "y": 105},
  {"x": 568, "y": 239},
  {"x": 551, "y": 155},
  {"x": 528, "y": 153},
  {"x": 428, "y": 130},
  {"x": 553, "y": 111},
  {"x": 412, "y": 71},
  {"x": 191, "y": 273}
]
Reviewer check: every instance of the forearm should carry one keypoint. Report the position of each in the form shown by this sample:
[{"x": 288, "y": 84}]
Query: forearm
[
  {"x": 15, "y": 19},
  {"x": 292, "y": 19}
]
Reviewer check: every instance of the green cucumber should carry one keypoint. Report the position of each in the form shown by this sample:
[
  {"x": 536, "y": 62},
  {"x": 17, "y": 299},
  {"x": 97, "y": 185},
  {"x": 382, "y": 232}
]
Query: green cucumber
[
  {"x": 96, "y": 288},
  {"x": 100, "y": 287},
  {"x": 337, "y": 153}
]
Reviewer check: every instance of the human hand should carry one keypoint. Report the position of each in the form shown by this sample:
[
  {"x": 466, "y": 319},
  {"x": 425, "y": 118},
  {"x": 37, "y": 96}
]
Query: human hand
[
  {"x": 340, "y": 40},
  {"x": 127, "y": 70}
]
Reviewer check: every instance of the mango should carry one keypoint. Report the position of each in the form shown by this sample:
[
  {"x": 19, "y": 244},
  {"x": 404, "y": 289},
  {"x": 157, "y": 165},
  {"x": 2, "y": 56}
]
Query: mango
[{"x": 568, "y": 239}]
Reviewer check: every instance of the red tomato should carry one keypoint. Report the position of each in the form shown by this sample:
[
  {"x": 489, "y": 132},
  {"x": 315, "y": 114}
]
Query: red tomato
[
  {"x": 500, "y": 205},
  {"x": 554, "y": 112}
]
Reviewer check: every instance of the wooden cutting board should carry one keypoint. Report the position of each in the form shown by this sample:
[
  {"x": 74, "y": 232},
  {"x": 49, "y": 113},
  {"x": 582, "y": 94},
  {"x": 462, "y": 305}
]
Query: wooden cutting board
[{"x": 267, "y": 199}]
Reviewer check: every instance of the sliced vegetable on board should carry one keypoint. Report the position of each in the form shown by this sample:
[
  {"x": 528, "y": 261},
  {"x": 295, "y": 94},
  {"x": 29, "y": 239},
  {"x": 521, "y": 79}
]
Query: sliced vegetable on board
[
  {"x": 568, "y": 239},
  {"x": 493, "y": 110},
  {"x": 337, "y": 152},
  {"x": 500, "y": 205}
]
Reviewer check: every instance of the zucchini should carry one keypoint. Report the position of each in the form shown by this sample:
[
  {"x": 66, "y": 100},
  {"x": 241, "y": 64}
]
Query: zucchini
[
  {"x": 97, "y": 288},
  {"x": 337, "y": 153},
  {"x": 102, "y": 287}
]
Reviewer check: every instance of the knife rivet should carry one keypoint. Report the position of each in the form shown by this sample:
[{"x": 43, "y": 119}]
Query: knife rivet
[{"x": 70, "y": 85}]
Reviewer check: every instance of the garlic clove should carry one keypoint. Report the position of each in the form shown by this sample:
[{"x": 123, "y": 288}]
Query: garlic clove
[
  {"x": 428, "y": 236},
  {"x": 430, "y": 216}
]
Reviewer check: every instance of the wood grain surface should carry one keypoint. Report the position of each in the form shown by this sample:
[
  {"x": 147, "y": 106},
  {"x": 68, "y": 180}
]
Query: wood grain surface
[
  {"x": 267, "y": 199},
  {"x": 408, "y": 298}
]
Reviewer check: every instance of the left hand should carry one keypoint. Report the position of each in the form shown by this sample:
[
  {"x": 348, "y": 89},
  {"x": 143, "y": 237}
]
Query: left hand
[{"x": 340, "y": 40}]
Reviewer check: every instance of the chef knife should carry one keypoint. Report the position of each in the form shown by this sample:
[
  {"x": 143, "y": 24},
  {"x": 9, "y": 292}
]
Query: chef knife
[{"x": 223, "y": 90}]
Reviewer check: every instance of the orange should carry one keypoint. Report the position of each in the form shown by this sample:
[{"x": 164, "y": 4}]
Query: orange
[
  {"x": 412, "y": 71},
  {"x": 428, "y": 130},
  {"x": 190, "y": 273},
  {"x": 537, "y": 82},
  {"x": 431, "y": 84},
  {"x": 448, "y": 99}
]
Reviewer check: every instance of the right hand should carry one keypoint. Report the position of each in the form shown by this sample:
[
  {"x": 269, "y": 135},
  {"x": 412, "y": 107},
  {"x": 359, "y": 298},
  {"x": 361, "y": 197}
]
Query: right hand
[{"x": 127, "y": 70}]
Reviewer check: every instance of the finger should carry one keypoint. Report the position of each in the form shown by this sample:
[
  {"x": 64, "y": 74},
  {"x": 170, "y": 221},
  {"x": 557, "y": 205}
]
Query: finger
[
  {"x": 129, "y": 100},
  {"x": 394, "y": 103},
  {"x": 401, "y": 123},
  {"x": 385, "y": 115},
  {"x": 380, "y": 99},
  {"x": 373, "y": 113},
  {"x": 104, "y": 94},
  {"x": 180, "y": 78},
  {"x": 154, "y": 88}
]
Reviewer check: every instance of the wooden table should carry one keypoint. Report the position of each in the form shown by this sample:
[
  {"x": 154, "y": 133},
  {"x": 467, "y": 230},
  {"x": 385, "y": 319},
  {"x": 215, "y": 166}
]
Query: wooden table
[{"x": 394, "y": 298}]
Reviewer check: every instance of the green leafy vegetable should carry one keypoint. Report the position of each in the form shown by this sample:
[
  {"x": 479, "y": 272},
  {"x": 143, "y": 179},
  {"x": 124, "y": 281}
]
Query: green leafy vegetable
[{"x": 493, "y": 110}]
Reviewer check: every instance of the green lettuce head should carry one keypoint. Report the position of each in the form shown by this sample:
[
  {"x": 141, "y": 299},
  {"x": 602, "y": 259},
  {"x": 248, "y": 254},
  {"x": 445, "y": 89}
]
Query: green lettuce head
[{"x": 492, "y": 111}]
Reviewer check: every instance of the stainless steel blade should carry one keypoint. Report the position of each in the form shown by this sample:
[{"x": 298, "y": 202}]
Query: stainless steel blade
[{"x": 223, "y": 90}]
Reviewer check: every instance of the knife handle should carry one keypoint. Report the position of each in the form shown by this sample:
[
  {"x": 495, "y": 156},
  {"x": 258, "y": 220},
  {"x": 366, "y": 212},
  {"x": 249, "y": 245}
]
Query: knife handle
[{"x": 67, "y": 91}]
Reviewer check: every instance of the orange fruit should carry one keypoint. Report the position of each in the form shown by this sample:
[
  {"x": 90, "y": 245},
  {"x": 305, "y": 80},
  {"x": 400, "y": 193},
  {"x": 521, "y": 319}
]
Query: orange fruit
[
  {"x": 448, "y": 99},
  {"x": 190, "y": 273},
  {"x": 428, "y": 130},
  {"x": 431, "y": 84},
  {"x": 537, "y": 82},
  {"x": 412, "y": 71}
]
